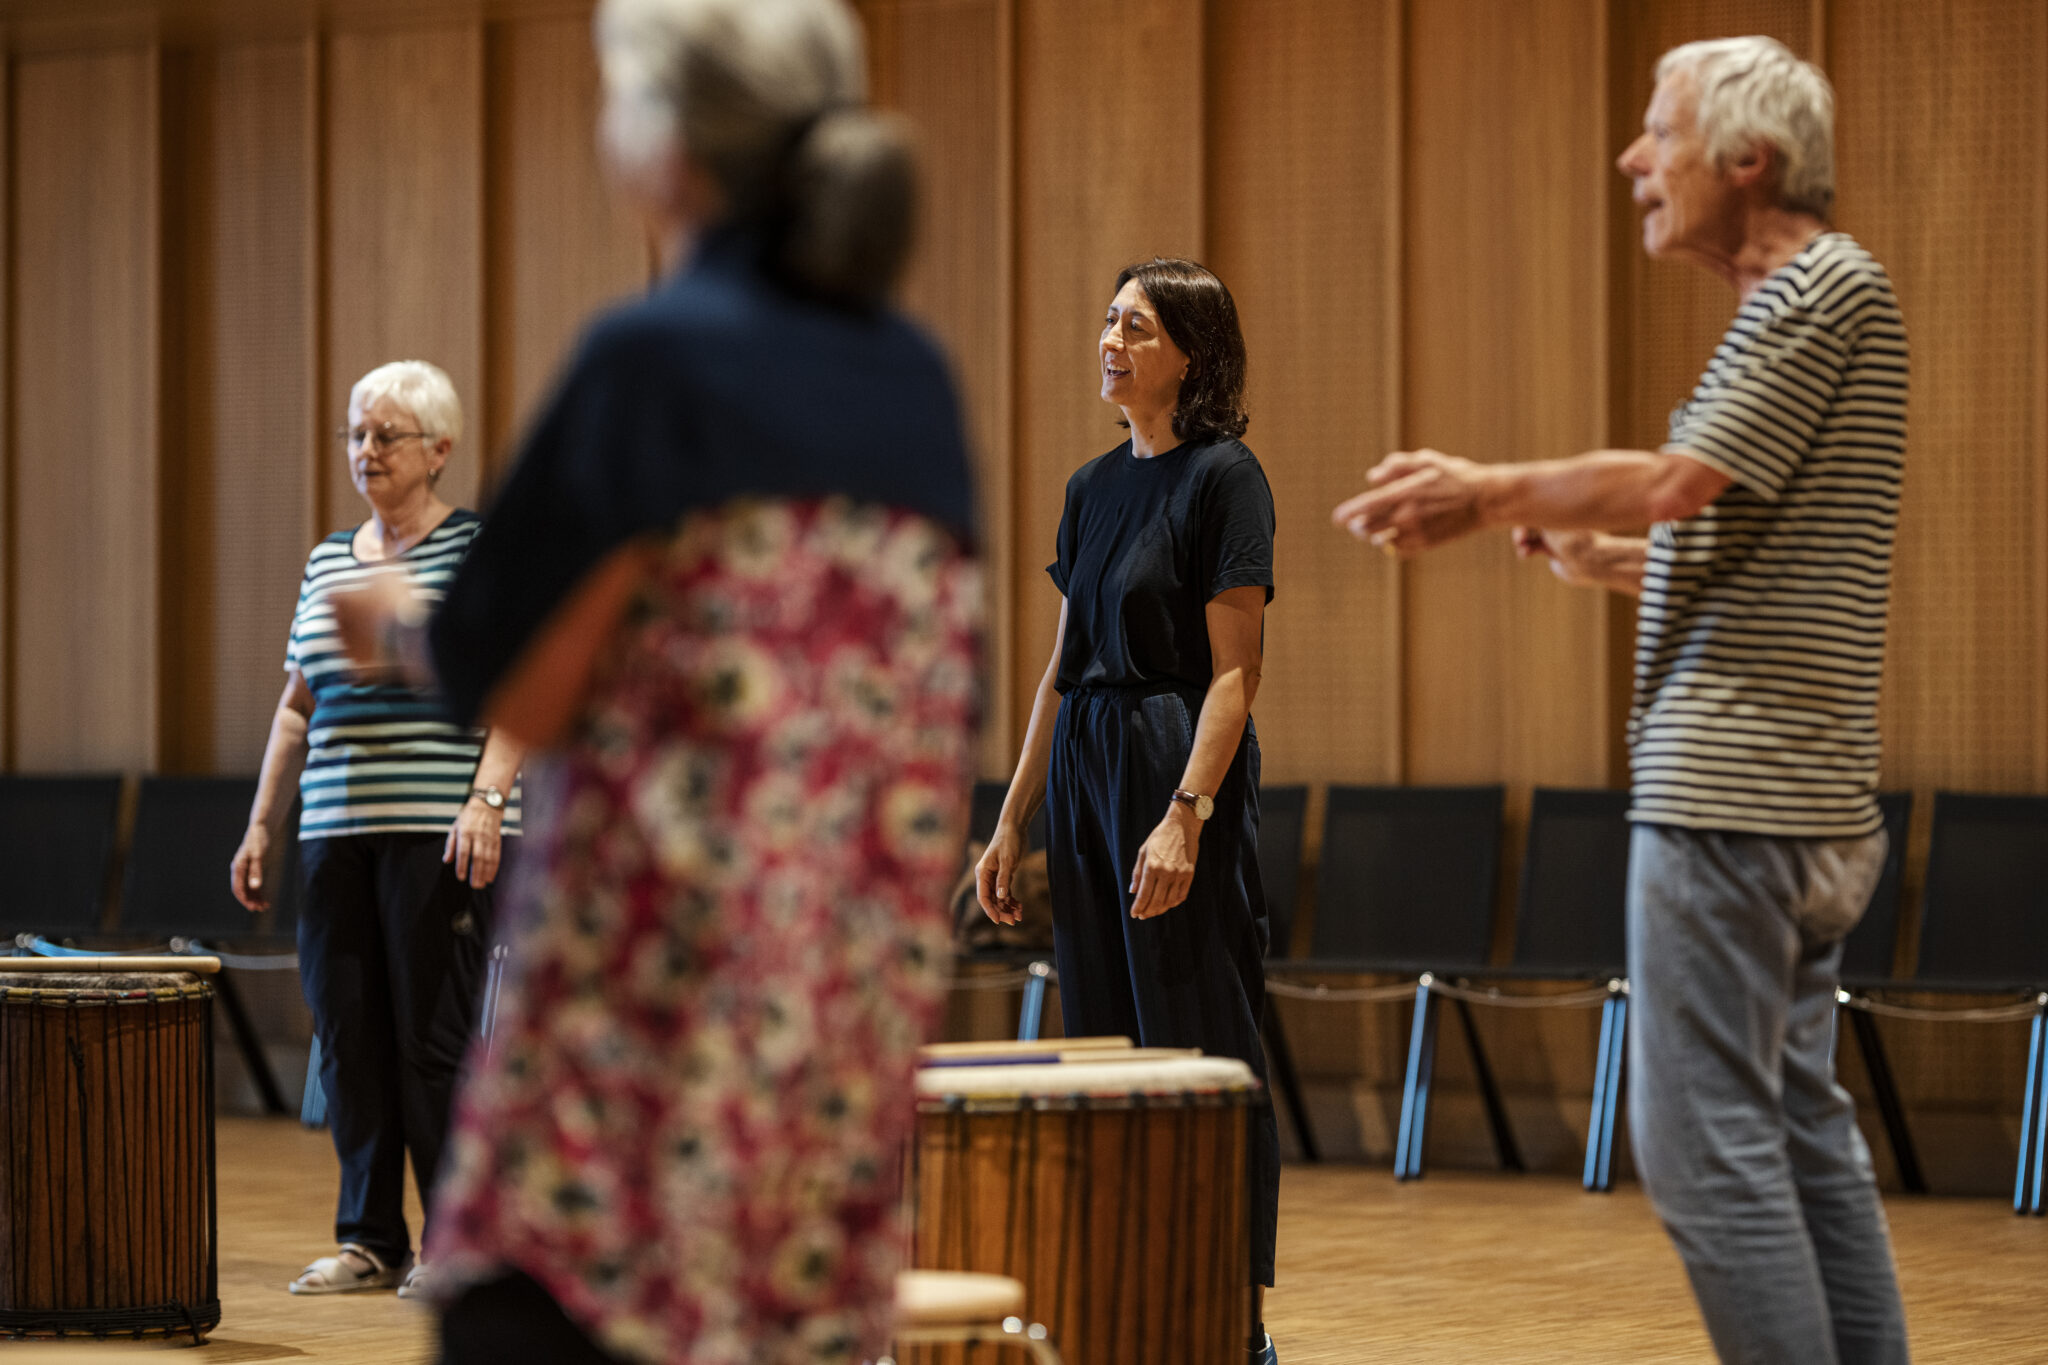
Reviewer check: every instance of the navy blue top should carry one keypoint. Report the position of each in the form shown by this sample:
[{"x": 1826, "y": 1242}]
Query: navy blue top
[
  {"x": 1144, "y": 545},
  {"x": 718, "y": 385}
]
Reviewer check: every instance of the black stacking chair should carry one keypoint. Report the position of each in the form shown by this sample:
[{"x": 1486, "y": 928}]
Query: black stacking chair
[
  {"x": 1867, "y": 963},
  {"x": 1984, "y": 931},
  {"x": 56, "y": 853},
  {"x": 1569, "y": 920},
  {"x": 1283, "y": 819},
  {"x": 986, "y": 807},
  {"x": 176, "y": 889},
  {"x": 1407, "y": 886}
]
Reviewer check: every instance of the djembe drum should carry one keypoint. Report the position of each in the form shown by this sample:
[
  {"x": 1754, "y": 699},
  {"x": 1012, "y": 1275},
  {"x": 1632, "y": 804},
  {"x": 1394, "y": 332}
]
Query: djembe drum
[
  {"x": 1112, "y": 1187},
  {"x": 107, "y": 1177}
]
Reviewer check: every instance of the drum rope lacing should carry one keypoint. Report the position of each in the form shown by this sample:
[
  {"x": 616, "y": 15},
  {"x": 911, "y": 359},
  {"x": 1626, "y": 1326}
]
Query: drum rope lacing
[{"x": 1984, "y": 1014}]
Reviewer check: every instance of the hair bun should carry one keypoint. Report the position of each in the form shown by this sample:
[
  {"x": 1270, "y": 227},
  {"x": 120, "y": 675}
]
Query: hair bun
[{"x": 850, "y": 200}]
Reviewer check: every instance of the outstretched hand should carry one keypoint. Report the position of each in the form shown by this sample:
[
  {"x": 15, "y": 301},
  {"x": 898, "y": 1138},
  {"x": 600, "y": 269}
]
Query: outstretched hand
[
  {"x": 1567, "y": 552},
  {"x": 1416, "y": 500}
]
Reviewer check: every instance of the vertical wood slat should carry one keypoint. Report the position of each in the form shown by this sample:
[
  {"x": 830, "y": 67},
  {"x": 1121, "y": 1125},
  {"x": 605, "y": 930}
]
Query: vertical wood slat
[
  {"x": 84, "y": 335},
  {"x": 236, "y": 530},
  {"x": 402, "y": 206},
  {"x": 1965, "y": 692},
  {"x": 1303, "y": 192},
  {"x": 559, "y": 244},
  {"x": 8, "y": 269},
  {"x": 1505, "y": 340},
  {"x": 946, "y": 65},
  {"x": 1109, "y": 124}
]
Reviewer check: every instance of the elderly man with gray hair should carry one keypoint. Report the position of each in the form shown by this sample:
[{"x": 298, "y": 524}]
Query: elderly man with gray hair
[{"x": 1765, "y": 582}]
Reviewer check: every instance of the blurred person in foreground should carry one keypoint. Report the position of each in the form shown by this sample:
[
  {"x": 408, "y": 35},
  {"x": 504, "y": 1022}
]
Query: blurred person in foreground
[
  {"x": 728, "y": 588},
  {"x": 1765, "y": 582},
  {"x": 404, "y": 818}
]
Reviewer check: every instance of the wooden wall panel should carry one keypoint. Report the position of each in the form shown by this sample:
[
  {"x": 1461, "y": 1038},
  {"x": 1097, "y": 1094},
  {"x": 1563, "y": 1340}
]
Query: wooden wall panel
[
  {"x": 1109, "y": 167},
  {"x": 241, "y": 451},
  {"x": 1505, "y": 349},
  {"x": 1303, "y": 225},
  {"x": 7, "y": 271},
  {"x": 403, "y": 228},
  {"x": 947, "y": 65},
  {"x": 1941, "y": 141},
  {"x": 85, "y": 478},
  {"x": 561, "y": 246}
]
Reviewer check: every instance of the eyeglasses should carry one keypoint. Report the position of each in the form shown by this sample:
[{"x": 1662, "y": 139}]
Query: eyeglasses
[{"x": 382, "y": 439}]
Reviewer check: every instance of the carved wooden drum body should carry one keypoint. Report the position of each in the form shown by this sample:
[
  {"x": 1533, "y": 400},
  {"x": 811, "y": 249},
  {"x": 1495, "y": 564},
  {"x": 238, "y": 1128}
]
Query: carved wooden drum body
[
  {"x": 107, "y": 1208},
  {"x": 1114, "y": 1188}
]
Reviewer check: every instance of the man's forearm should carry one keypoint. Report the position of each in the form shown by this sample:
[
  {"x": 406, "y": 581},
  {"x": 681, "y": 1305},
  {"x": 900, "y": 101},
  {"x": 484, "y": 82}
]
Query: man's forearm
[{"x": 1602, "y": 490}]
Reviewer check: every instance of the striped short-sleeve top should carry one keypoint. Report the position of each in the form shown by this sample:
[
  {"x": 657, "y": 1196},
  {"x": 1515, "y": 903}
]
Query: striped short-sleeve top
[
  {"x": 1760, "y": 643},
  {"x": 382, "y": 758}
]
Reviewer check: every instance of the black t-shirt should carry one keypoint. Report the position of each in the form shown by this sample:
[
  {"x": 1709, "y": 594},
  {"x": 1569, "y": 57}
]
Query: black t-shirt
[{"x": 1144, "y": 545}]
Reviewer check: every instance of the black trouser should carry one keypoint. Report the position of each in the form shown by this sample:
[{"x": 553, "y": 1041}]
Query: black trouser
[
  {"x": 511, "y": 1321},
  {"x": 392, "y": 951},
  {"x": 1194, "y": 976}
]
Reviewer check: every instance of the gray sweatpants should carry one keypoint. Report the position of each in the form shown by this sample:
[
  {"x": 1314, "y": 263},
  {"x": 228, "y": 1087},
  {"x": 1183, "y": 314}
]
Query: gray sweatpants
[{"x": 1748, "y": 1148}]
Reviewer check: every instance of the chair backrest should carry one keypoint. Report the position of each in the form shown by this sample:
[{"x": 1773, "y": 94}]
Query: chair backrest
[
  {"x": 987, "y": 808},
  {"x": 1867, "y": 956},
  {"x": 1283, "y": 817},
  {"x": 186, "y": 832},
  {"x": 56, "y": 850},
  {"x": 1409, "y": 876},
  {"x": 1985, "y": 916},
  {"x": 1572, "y": 903}
]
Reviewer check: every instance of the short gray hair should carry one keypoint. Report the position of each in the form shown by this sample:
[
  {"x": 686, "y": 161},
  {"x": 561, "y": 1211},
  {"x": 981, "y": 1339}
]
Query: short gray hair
[
  {"x": 1755, "y": 90},
  {"x": 422, "y": 389}
]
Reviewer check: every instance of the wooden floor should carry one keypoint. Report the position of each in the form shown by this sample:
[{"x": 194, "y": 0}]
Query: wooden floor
[{"x": 1459, "y": 1267}]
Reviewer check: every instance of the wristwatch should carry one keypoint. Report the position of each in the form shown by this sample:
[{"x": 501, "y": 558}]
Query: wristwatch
[
  {"x": 490, "y": 796},
  {"x": 1203, "y": 806}
]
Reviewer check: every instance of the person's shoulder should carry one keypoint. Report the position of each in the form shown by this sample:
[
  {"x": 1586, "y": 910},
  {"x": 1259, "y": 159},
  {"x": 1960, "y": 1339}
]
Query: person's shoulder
[
  {"x": 1095, "y": 470},
  {"x": 1837, "y": 281},
  {"x": 1225, "y": 458}
]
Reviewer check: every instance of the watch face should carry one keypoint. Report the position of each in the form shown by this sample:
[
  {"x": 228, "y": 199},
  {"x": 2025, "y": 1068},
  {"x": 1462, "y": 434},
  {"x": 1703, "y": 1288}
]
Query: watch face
[{"x": 1204, "y": 807}]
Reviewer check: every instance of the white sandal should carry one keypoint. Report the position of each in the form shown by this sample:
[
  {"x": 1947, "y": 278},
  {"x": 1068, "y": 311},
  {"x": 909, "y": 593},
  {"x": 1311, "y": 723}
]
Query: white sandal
[
  {"x": 336, "y": 1274},
  {"x": 415, "y": 1281}
]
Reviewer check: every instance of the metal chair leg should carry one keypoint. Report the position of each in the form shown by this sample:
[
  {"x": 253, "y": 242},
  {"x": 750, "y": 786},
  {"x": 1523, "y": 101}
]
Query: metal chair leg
[
  {"x": 1288, "y": 1082},
  {"x": 1496, "y": 1112},
  {"x": 1415, "y": 1088},
  {"x": 1032, "y": 1015},
  {"x": 1889, "y": 1109},
  {"x": 2028, "y": 1182},
  {"x": 313, "y": 1104},
  {"x": 1607, "y": 1074},
  {"x": 250, "y": 1046}
]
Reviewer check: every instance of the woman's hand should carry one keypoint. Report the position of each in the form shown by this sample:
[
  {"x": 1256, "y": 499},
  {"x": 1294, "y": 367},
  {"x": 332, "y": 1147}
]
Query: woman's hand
[
  {"x": 1166, "y": 864},
  {"x": 245, "y": 873},
  {"x": 475, "y": 843},
  {"x": 995, "y": 876}
]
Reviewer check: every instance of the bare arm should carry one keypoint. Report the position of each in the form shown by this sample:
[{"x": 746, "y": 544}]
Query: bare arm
[
  {"x": 284, "y": 757},
  {"x": 1588, "y": 559},
  {"x": 476, "y": 840},
  {"x": 993, "y": 874},
  {"x": 1421, "y": 499},
  {"x": 1165, "y": 868}
]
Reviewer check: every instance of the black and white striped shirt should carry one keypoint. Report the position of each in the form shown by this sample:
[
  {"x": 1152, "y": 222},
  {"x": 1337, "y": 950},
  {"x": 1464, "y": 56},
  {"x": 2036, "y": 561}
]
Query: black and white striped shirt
[
  {"x": 1760, "y": 643},
  {"x": 382, "y": 758}
]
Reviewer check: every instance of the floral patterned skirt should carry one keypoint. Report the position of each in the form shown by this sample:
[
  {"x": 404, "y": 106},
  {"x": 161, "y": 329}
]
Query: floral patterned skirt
[{"x": 727, "y": 942}]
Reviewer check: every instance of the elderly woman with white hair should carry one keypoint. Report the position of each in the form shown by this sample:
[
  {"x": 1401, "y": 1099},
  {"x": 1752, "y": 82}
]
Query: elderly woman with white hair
[
  {"x": 728, "y": 586},
  {"x": 1765, "y": 583},
  {"x": 402, "y": 826}
]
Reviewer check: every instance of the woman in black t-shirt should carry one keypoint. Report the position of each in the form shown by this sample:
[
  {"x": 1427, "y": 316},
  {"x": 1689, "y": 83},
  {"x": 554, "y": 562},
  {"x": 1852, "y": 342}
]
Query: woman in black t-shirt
[{"x": 1140, "y": 743}]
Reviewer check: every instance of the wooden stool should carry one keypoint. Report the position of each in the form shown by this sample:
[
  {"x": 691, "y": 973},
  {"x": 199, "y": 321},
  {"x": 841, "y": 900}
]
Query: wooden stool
[{"x": 942, "y": 1307}]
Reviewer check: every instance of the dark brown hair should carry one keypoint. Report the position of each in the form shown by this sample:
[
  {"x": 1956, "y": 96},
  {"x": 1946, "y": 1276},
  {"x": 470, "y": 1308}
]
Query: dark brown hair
[{"x": 1200, "y": 317}]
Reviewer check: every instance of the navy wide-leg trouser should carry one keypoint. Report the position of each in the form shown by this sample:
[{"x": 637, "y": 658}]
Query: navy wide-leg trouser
[{"x": 1194, "y": 976}]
